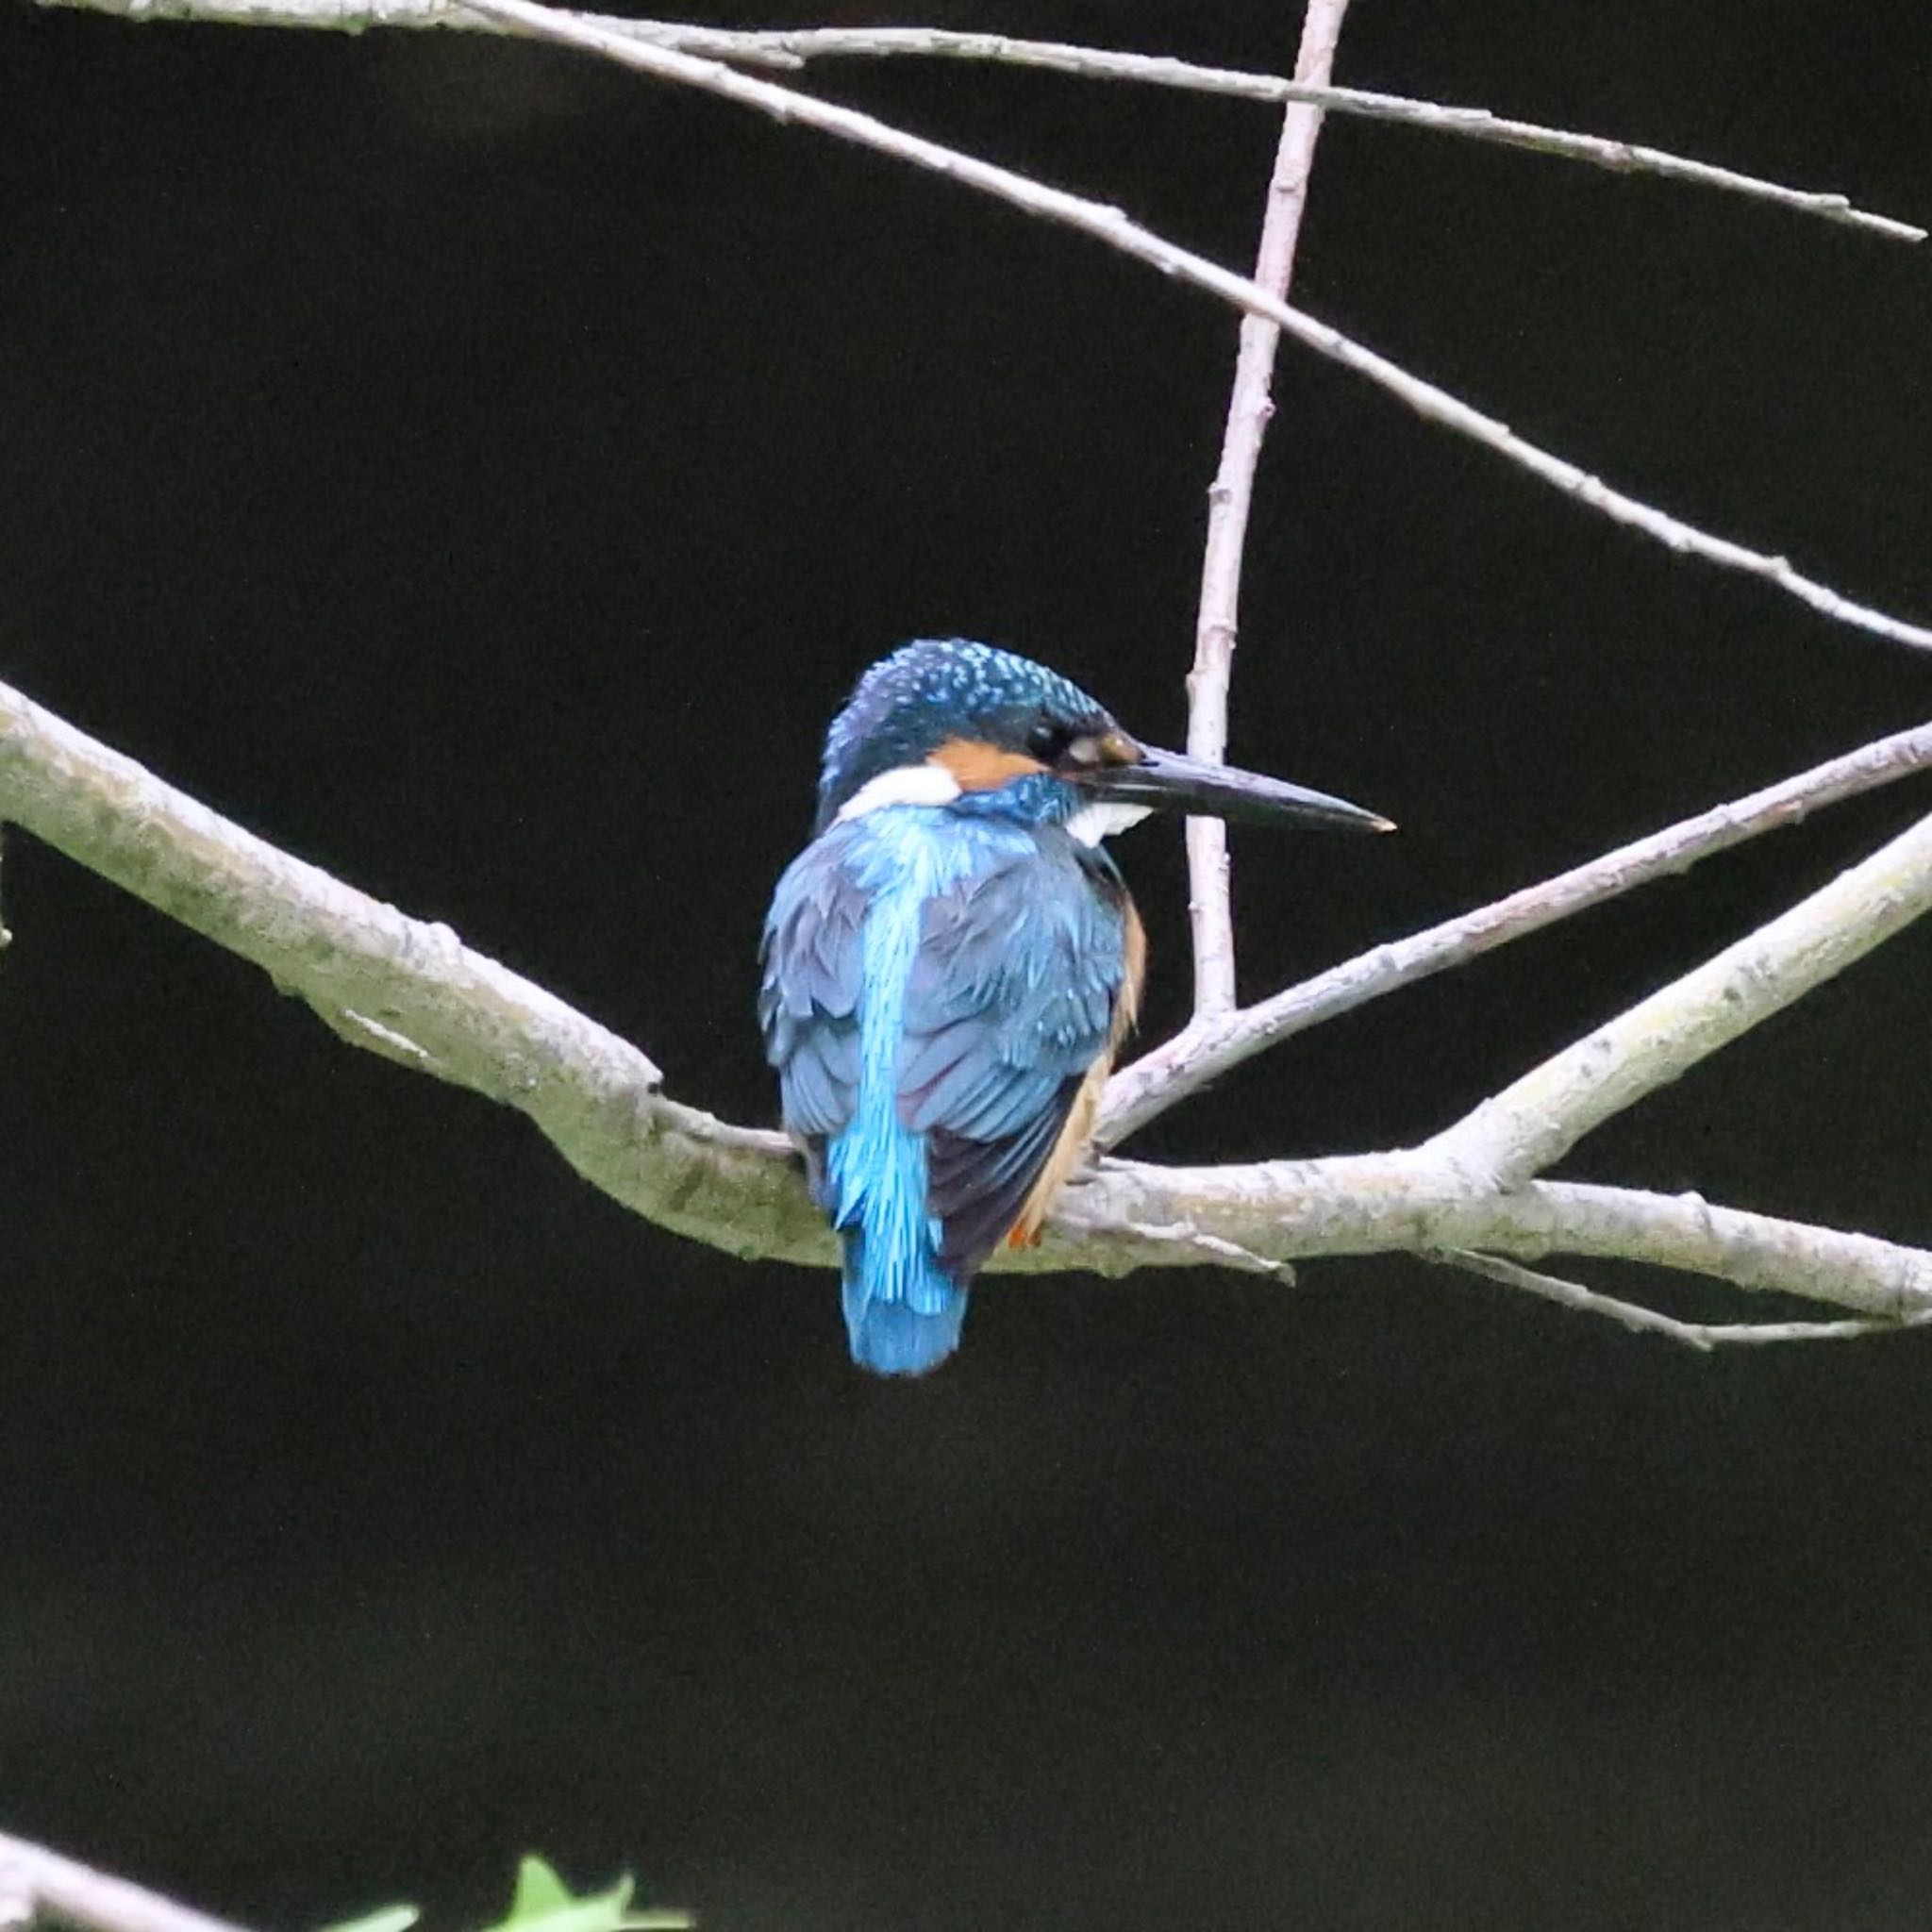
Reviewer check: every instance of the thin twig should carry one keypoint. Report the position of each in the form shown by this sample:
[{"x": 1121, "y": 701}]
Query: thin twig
[
  {"x": 1210, "y": 899},
  {"x": 791, "y": 49},
  {"x": 1701, "y": 1336},
  {"x": 1112, "y": 227},
  {"x": 1198, "y": 1055},
  {"x": 358, "y": 1030},
  {"x": 1377, "y": 1204},
  {"x": 62, "y": 1889},
  {"x": 1538, "y": 1119},
  {"x": 1479, "y": 123},
  {"x": 1181, "y": 1237}
]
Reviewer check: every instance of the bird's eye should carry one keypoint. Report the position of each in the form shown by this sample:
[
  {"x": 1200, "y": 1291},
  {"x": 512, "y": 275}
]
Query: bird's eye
[{"x": 1047, "y": 740}]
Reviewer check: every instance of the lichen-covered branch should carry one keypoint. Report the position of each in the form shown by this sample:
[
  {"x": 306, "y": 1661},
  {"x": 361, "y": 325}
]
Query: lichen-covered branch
[{"x": 1210, "y": 897}]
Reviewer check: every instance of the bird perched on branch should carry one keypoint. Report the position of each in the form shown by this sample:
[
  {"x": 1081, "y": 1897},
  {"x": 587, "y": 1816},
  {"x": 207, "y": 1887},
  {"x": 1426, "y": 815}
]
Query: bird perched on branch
[{"x": 950, "y": 966}]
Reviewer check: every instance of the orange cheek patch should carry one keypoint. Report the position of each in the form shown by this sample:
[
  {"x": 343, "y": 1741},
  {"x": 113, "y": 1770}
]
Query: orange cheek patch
[{"x": 977, "y": 766}]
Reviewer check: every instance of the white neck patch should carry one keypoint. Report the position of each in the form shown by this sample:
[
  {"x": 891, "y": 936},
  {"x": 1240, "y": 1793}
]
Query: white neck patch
[
  {"x": 927, "y": 783},
  {"x": 931, "y": 783},
  {"x": 1094, "y": 823}
]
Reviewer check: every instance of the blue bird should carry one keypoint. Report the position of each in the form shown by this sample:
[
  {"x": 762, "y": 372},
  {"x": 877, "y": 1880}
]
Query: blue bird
[{"x": 951, "y": 964}]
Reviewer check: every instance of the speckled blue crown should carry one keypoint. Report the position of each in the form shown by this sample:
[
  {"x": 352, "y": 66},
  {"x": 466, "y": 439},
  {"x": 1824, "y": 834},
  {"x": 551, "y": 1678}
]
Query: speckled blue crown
[{"x": 909, "y": 704}]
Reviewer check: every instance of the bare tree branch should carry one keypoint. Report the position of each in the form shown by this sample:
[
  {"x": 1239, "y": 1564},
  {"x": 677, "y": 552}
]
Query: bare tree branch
[
  {"x": 60, "y": 1888},
  {"x": 1367, "y": 1204},
  {"x": 1538, "y": 1119},
  {"x": 1210, "y": 898},
  {"x": 1112, "y": 227},
  {"x": 418, "y": 995},
  {"x": 479, "y": 1025},
  {"x": 1479, "y": 123},
  {"x": 1200, "y": 1053},
  {"x": 791, "y": 49},
  {"x": 1702, "y": 1336}
]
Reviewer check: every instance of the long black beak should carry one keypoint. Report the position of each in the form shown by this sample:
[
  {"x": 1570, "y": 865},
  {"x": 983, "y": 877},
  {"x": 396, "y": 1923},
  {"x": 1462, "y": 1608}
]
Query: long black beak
[{"x": 1166, "y": 781}]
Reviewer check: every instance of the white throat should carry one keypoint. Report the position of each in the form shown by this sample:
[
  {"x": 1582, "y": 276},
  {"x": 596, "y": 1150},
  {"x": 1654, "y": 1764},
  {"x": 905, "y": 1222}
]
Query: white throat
[
  {"x": 927, "y": 783},
  {"x": 1094, "y": 823}
]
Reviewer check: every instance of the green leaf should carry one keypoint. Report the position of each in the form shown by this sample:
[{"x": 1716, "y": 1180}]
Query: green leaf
[
  {"x": 387, "y": 1918},
  {"x": 545, "y": 1904}
]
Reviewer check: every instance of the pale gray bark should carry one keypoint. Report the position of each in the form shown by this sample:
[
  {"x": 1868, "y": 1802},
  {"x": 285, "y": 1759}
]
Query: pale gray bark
[
  {"x": 662, "y": 60},
  {"x": 1250, "y": 408},
  {"x": 36, "y": 1884},
  {"x": 416, "y": 995}
]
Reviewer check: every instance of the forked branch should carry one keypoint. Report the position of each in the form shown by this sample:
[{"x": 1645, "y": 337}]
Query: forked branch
[
  {"x": 1112, "y": 227},
  {"x": 416, "y": 995},
  {"x": 1534, "y": 1122},
  {"x": 1202, "y": 1053},
  {"x": 1702, "y": 1336}
]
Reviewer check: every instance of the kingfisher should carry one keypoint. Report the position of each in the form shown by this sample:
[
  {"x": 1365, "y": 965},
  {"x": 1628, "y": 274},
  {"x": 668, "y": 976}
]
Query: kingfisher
[{"x": 951, "y": 964}]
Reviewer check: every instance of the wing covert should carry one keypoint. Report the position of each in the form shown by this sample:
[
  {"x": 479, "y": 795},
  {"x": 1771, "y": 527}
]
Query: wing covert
[
  {"x": 809, "y": 995},
  {"x": 1013, "y": 993},
  {"x": 1012, "y": 1001}
]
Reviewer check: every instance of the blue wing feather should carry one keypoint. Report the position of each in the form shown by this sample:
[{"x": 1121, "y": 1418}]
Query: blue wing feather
[
  {"x": 1019, "y": 979},
  {"x": 935, "y": 989}
]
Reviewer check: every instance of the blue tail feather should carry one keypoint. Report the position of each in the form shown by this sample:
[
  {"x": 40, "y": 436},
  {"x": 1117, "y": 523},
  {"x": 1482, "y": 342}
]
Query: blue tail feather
[
  {"x": 900, "y": 1321},
  {"x": 903, "y": 1310}
]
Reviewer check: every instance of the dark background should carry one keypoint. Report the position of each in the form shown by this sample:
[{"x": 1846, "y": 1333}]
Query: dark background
[{"x": 482, "y": 471}]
